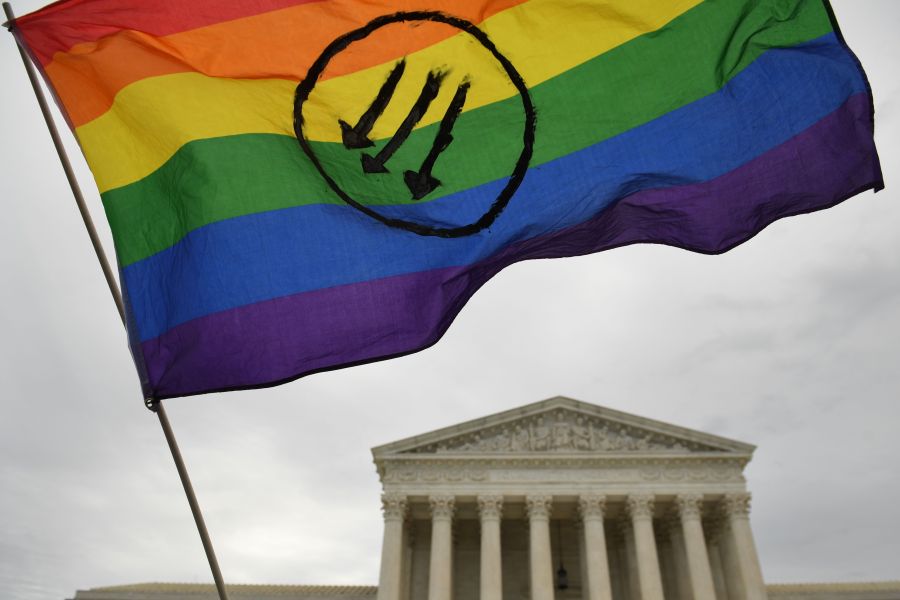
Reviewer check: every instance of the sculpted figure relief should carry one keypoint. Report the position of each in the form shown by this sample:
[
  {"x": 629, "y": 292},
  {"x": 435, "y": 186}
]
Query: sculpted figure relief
[
  {"x": 521, "y": 440},
  {"x": 562, "y": 436},
  {"x": 561, "y": 432},
  {"x": 540, "y": 438},
  {"x": 500, "y": 443},
  {"x": 581, "y": 435}
]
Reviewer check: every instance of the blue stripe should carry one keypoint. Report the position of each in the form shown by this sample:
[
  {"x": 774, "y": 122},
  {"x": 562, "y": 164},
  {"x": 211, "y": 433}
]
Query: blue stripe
[{"x": 268, "y": 255}]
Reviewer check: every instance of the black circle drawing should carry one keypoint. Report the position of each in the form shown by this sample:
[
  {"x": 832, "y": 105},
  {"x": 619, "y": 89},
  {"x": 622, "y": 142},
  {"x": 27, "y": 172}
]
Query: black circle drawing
[{"x": 305, "y": 88}]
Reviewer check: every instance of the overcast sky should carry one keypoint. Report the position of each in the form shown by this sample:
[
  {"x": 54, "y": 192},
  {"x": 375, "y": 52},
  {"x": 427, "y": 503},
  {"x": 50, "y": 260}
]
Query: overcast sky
[{"x": 789, "y": 342}]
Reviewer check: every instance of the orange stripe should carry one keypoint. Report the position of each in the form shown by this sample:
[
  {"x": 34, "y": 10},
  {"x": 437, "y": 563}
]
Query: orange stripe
[
  {"x": 280, "y": 44},
  {"x": 62, "y": 25}
]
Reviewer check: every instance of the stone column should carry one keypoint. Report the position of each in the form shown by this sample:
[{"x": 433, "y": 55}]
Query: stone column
[
  {"x": 582, "y": 557},
  {"x": 441, "y": 565},
  {"x": 390, "y": 583},
  {"x": 702, "y": 587},
  {"x": 489, "y": 510},
  {"x": 737, "y": 510},
  {"x": 538, "y": 508},
  {"x": 591, "y": 508},
  {"x": 640, "y": 509},
  {"x": 733, "y": 583}
]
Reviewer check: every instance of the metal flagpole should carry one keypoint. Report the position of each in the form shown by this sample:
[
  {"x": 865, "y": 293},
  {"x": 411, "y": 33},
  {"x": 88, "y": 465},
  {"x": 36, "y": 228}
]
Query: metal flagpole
[{"x": 156, "y": 406}]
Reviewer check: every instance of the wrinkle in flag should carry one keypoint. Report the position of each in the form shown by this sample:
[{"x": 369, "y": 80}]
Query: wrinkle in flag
[{"x": 300, "y": 185}]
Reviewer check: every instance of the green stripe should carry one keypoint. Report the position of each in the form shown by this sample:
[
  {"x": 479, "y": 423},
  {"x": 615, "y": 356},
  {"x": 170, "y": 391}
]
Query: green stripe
[{"x": 691, "y": 57}]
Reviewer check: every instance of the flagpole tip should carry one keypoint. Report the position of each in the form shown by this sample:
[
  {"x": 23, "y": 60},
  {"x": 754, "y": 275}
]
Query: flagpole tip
[{"x": 10, "y": 16}]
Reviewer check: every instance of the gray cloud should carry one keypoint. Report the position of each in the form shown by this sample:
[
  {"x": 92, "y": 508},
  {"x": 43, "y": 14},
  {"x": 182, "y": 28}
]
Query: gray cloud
[{"x": 787, "y": 342}]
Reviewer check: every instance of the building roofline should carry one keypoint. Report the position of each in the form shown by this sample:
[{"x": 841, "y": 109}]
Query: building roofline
[{"x": 730, "y": 445}]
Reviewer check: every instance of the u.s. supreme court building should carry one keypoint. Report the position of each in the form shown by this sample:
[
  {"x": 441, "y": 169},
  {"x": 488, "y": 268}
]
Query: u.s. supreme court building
[{"x": 557, "y": 500}]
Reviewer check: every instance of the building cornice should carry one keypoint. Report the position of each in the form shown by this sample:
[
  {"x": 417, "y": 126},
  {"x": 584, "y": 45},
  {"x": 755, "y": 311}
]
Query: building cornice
[{"x": 483, "y": 462}]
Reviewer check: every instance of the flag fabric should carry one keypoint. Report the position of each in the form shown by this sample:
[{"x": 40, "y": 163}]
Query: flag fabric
[{"x": 300, "y": 185}]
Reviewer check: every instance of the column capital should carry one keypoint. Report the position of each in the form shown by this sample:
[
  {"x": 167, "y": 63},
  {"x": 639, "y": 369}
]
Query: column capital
[
  {"x": 490, "y": 507},
  {"x": 640, "y": 506},
  {"x": 591, "y": 506},
  {"x": 538, "y": 507},
  {"x": 737, "y": 505},
  {"x": 442, "y": 507},
  {"x": 689, "y": 506},
  {"x": 394, "y": 506}
]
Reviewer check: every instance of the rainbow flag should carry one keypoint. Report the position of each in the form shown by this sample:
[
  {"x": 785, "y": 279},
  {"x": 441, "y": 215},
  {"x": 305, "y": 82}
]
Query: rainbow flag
[{"x": 301, "y": 185}]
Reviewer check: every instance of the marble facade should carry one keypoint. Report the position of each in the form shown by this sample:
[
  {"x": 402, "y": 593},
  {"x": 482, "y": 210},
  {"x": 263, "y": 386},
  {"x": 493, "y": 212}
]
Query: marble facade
[{"x": 629, "y": 508}]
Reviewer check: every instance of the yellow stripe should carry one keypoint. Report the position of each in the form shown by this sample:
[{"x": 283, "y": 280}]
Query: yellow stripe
[{"x": 152, "y": 118}]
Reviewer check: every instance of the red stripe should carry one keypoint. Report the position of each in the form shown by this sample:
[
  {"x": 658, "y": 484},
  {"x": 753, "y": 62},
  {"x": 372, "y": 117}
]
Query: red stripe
[{"x": 61, "y": 25}]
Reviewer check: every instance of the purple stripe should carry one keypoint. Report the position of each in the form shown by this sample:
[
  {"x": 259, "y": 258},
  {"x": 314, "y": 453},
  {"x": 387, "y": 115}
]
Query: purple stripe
[{"x": 270, "y": 342}]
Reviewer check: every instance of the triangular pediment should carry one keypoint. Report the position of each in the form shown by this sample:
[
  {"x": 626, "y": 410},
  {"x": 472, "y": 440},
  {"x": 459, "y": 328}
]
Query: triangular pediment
[{"x": 562, "y": 426}]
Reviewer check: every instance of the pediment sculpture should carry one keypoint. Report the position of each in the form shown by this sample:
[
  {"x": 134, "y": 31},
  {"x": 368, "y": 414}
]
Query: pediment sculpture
[{"x": 562, "y": 431}]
